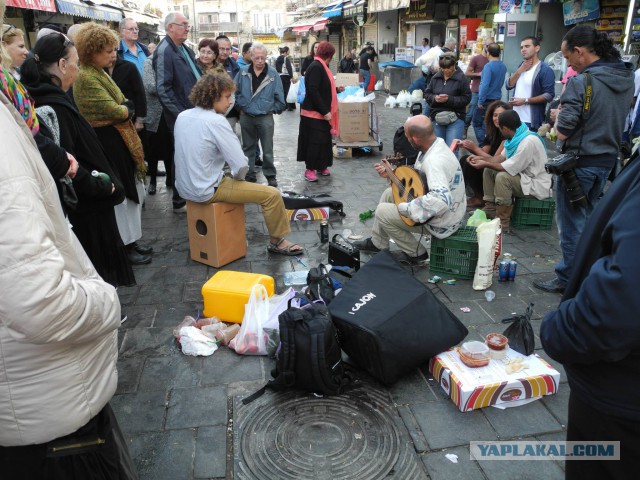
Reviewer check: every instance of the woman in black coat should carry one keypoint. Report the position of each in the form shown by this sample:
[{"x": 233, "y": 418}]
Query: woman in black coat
[
  {"x": 306, "y": 61},
  {"x": 93, "y": 220},
  {"x": 318, "y": 116},
  {"x": 448, "y": 92}
]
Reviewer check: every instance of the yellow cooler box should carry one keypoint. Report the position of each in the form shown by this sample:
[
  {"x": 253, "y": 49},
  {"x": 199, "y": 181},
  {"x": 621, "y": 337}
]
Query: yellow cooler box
[{"x": 226, "y": 293}]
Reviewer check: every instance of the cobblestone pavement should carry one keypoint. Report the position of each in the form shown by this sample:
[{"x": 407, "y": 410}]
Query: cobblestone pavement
[{"x": 177, "y": 411}]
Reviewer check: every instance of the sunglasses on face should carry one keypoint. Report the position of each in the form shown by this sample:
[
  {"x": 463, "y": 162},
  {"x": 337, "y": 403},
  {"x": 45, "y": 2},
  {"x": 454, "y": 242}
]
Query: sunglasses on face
[
  {"x": 447, "y": 57},
  {"x": 6, "y": 28}
]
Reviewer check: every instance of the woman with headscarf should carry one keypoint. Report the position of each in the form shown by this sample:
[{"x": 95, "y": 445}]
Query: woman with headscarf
[
  {"x": 318, "y": 115},
  {"x": 48, "y": 75},
  {"x": 107, "y": 110}
]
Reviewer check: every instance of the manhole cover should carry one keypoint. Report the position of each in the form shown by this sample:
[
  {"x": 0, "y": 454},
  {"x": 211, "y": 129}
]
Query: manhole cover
[{"x": 290, "y": 435}]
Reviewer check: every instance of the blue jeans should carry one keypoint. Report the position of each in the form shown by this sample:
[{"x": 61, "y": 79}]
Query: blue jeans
[
  {"x": 570, "y": 220},
  {"x": 450, "y": 132},
  {"x": 479, "y": 127},
  {"x": 471, "y": 109},
  {"x": 366, "y": 78}
]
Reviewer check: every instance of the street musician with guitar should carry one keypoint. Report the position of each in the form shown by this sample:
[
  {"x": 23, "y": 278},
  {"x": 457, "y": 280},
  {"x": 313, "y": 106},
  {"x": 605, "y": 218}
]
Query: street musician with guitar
[{"x": 430, "y": 200}]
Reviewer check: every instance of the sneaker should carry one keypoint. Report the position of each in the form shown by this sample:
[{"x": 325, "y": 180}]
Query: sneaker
[
  {"x": 272, "y": 182},
  {"x": 310, "y": 176},
  {"x": 123, "y": 318},
  {"x": 179, "y": 204},
  {"x": 324, "y": 173},
  {"x": 551, "y": 286},
  {"x": 250, "y": 178},
  {"x": 365, "y": 245}
]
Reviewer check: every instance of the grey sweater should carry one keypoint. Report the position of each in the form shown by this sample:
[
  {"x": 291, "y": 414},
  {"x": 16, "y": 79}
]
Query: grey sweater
[{"x": 613, "y": 88}]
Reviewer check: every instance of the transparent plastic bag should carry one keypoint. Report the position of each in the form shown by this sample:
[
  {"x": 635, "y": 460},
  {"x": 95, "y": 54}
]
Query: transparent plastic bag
[
  {"x": 477, "y": 218},
  {"x": 251, "y": 339}
]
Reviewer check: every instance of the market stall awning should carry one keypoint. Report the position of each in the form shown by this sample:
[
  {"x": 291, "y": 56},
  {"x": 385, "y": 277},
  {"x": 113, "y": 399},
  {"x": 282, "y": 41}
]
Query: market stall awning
[
  {"x": 44, "y": 5},
  {"x": 385, "y": 5},
  {"x": 306, "y": 24},
  {"x": 140, "y": 17},
  {"x": 334, "y": 9},
  {"x": 79, "y": 9}
]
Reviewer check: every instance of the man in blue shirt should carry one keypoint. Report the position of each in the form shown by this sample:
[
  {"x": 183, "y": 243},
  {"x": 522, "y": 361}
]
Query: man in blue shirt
[
  {"x": 490, "y": 89},
  {"x": 130, "y": 49}
]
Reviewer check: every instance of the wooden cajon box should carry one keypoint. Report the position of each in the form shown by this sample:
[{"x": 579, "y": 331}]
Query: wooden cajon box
[{"x": 216, "y": 232}]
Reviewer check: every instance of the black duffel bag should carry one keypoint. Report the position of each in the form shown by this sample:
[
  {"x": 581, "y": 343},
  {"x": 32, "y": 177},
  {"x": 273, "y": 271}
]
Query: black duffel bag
[{"x": 389, "y": 322}]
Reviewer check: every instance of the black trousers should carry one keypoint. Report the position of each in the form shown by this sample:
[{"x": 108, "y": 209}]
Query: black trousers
[
  {"x": 96, "y": 451},
  {"x": 587, "y": 424}
]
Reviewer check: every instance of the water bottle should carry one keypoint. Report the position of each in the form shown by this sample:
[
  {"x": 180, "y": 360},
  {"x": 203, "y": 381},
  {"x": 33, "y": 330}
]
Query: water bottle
[
  {"x": 101, "y": 175},
  {"x": 513, "y": 266}
]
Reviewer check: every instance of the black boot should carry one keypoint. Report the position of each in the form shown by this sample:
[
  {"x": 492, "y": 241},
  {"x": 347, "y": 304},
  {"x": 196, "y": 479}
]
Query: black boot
[
  {"x": 142, "y": 249},
  {"x": 135, "y": 258}
]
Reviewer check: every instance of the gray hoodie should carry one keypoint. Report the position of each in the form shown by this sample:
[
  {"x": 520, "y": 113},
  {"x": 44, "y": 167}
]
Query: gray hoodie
[{"x": 613, "y": 88}]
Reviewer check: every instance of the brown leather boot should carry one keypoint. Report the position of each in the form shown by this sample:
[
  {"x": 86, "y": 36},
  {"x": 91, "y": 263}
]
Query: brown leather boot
[
  {"x": 490, "y": 209},
  {"x": 503, "y": 212}
]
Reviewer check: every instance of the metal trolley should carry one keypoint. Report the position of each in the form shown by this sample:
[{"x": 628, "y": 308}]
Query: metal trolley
[{"x": 375, "y": 140}]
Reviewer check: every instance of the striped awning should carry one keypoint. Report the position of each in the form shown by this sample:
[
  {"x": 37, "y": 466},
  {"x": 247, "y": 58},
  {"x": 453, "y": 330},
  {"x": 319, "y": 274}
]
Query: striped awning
[
  {"x": 385, "y": 5},
  {"x": 79, "y": 9}
]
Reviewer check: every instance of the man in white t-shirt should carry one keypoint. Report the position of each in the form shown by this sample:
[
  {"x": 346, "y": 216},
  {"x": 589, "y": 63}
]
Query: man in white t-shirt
[{"x": 533, "y": 84}]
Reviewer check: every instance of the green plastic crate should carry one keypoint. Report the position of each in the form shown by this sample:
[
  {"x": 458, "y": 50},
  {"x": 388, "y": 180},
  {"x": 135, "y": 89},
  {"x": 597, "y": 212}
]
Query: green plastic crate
[
  {"x": 455, "y": 256},
  {"x": 533, "y": 214}
]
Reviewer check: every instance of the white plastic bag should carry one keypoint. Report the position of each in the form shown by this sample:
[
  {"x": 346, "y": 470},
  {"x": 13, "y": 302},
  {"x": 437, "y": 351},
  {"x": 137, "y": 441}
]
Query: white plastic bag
[
  {"x": 292, "y": 96},
  {"x": 277, "y": 305},
  {"x": 194, "y": 342},
  {"x": 251, "y": 339},
  {"x": 390, "y": 102},
  {"x": 378, "y": 85},
  {"x": 488, "y": 234},
  {"x": 417, "y": 95}
]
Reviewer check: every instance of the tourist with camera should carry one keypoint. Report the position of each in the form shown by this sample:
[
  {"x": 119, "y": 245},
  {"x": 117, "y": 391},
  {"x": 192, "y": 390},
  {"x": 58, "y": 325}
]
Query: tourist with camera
[
  {"x": 590, "y": 122},
  {"x": 518, "y": 171}
]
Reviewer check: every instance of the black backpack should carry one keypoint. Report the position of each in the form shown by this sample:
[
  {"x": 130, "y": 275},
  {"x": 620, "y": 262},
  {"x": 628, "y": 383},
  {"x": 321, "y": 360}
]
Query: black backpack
[
  {"x": 309, "y": 356},
  {"x": 402, "y": 145}
]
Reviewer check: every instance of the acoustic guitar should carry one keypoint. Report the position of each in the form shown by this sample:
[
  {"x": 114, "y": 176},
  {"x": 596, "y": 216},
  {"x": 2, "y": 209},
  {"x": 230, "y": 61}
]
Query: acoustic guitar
[{"x": 407, "y": 183}]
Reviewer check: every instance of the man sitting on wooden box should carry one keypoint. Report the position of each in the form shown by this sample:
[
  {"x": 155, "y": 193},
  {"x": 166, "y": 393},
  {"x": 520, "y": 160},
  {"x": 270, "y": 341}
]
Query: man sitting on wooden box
[
  {"x": 434, "y": 207},
  {"x": 204, "y": 142}
]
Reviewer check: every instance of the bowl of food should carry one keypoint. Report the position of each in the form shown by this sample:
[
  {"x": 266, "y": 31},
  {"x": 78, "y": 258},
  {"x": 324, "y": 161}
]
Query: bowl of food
[{"x": 474, "y": 354}]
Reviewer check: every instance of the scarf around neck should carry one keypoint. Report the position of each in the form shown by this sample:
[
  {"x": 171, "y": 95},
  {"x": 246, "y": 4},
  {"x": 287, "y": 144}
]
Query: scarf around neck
[
  {"x": 511, "y": 145},
  {"x": 20, "y": 98},
  {"x": 334, "y": 102}
]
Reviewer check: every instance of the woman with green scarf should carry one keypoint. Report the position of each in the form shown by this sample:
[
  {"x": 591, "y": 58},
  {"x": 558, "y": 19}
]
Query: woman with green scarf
[{"x": 106, "y": 109}]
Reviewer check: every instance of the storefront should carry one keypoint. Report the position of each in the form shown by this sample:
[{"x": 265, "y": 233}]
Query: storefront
[{"x": 20, "y": 14}]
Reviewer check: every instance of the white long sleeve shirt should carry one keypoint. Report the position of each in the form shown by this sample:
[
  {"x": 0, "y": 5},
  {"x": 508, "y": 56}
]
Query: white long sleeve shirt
[{"x": 204, "y": 142}]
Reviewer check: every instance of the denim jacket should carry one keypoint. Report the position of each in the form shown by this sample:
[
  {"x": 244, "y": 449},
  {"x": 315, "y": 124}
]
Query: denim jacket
[{"x": 268, "y": 98}]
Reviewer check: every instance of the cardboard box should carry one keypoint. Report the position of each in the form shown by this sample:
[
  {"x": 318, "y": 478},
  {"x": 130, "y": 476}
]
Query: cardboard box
[
  {"x": 216, "y": 233},
  {"x": 353, "y": 121},
  {"x": 472, "y": 388},
  {"x": 226, "y": 293},
  {"x": 342, "y": 152},
  {"x": 347, "y": 80},
  {"x": 304, "y": 214}
]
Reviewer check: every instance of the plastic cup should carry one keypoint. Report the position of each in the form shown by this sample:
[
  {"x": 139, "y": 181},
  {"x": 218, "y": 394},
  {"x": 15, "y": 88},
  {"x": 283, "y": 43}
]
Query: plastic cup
[{"x": 489, "y": 295}]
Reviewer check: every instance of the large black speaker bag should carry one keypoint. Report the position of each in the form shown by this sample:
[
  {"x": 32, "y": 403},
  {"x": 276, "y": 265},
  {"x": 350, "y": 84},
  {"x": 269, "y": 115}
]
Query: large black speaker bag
[{"x": 389, "y": 322}]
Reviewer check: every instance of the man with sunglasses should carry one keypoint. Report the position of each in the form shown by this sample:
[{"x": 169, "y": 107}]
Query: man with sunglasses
[
  {"x": 130, "y": 48},
  {"x": 176, "y": 74}
]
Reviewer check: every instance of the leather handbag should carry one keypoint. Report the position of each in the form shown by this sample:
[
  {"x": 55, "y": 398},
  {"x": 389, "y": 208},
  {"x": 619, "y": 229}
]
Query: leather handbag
[{"x": 343, "y": 254}]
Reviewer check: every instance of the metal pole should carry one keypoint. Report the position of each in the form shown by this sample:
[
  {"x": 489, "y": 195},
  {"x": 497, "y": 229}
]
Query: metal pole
[{"x": 238, "y": 30}]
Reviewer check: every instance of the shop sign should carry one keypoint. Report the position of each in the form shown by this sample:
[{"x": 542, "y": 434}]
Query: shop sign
[
  {"x": 420, "y": 10},
  {"x": 43, "y": 5}
]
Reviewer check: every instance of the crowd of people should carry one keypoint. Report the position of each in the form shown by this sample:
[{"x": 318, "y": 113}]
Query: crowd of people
[{"x": 89, "y": 114}]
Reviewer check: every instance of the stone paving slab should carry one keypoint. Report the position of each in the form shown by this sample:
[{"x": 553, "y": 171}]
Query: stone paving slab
[{"x": 177, "y": 411}]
